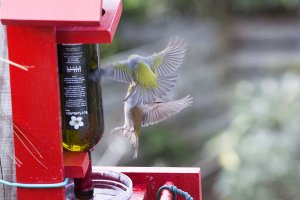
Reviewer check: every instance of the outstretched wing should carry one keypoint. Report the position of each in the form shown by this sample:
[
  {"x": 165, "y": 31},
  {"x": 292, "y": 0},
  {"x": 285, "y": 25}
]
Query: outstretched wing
[
  {"x": 168, "y": 60},
  {"x": 157, "y": 112},
  {"x": 118, "y": 71},
  {"x": 148, "y": 86}
]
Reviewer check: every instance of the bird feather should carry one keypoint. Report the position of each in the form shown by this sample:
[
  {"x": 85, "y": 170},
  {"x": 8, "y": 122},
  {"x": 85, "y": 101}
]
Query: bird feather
[{"x": 159, "y": 111}]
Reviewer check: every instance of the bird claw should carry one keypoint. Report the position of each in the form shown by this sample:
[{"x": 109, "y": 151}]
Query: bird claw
[{"x": 133, "y": 84}]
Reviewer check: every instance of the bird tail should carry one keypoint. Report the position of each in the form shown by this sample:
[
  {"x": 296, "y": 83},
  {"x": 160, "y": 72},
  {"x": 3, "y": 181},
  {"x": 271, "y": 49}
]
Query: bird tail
[
  {"x": 140, "y": 95},
  {"x": 96, "y": 75},
  {"x": 130, "y": 135}
]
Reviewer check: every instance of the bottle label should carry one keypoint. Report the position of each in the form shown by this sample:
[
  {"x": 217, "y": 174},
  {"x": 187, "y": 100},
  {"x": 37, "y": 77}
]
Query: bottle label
[{"x": 73, "y": 63}]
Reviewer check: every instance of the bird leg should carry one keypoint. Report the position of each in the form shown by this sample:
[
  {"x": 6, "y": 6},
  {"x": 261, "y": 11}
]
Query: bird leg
[{"x": 131, "y": 90}]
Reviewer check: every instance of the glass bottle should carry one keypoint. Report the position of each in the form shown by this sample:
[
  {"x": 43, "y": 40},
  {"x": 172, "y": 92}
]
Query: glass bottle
[{"x": 81, "y": 98}]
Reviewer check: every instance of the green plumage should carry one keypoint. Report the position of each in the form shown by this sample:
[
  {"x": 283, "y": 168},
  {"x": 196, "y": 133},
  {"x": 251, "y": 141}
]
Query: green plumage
[{"x": 145, "y": 77}]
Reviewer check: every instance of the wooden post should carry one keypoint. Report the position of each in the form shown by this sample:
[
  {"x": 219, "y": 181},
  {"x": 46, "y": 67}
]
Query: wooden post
[{"x": 7, "y": 166}]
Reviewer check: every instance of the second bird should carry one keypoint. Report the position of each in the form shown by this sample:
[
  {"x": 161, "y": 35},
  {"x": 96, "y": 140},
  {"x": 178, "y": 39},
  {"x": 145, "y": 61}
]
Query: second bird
[{"x": 140, "y": 116}]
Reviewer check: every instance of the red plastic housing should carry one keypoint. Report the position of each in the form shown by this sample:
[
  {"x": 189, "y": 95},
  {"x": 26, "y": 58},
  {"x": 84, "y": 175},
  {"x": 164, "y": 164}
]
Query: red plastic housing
[
  {"x": 94, "y": 34},
  {"x": 51, "y": 13},
  {"x": 33, "y": 34}
]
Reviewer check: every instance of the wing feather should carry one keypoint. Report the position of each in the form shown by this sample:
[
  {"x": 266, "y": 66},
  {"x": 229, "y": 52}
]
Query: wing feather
[
  {"x": 145, "y": 95},
  {"x": 159, "y": 111},
  {"x": 118, "y": 71},
  {"x": 169, "y": 60}
]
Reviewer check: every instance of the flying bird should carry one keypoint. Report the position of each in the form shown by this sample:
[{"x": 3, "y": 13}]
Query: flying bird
[
  {"x": 149, "y": 77},
  {"x": 142, "y": 115}
]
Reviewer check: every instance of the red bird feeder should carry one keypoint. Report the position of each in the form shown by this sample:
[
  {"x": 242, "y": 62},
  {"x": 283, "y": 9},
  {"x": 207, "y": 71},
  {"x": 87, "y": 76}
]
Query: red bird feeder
[{"x": 34, "y": 28}]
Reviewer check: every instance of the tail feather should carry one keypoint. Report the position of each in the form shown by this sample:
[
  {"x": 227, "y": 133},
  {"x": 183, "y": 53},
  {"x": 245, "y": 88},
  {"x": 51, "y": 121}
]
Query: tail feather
[{"x": 130, "y": 135}]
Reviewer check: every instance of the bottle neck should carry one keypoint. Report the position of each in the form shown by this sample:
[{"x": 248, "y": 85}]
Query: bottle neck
[{"x": 83, "y": 187}]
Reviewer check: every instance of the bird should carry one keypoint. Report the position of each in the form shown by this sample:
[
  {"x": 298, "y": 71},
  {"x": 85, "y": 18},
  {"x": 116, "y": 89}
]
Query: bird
[
  {"x": 143, "y": 115},
  {"x": 149, "y": 77}
]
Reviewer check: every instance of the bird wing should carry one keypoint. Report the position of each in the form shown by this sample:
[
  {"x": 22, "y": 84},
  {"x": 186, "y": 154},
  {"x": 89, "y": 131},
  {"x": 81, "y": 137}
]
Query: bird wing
[
  {"x": 118, "y": 71},
  {"x": 159, "y": 111},
  {"x": 148, "y": 86},
  {"x": 168, "y": 60}
]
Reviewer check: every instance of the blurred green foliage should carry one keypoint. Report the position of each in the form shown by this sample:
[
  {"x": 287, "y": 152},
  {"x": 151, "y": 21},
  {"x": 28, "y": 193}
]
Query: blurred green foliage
[
  {"x": 140, "y": 11},
  {"x": 259, "y": 152},
  {"x": 162, "y": 148},
  {"x": 117, "y": 45},
  {"x": 136, "y": 10},
  {"x": 260, "y": 5}
]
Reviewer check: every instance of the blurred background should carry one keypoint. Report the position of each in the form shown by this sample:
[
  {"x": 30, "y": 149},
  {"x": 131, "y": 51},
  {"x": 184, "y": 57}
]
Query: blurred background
[{"x": 242, "y": 68}]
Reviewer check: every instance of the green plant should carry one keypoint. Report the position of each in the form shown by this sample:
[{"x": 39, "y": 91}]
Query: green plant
[
  {"x": 257, "y": 5},
  {"x": 259, "y": 152}
]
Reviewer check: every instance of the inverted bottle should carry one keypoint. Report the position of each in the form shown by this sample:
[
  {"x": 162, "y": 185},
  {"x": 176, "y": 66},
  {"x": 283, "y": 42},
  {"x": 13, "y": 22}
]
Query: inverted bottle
[{"x": 81, "y": 99}]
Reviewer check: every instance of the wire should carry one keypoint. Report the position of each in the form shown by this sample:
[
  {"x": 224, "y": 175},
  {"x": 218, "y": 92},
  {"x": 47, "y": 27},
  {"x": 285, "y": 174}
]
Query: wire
[
  {"x": 28, "y": 185},
  {"x": 175, "y": 191}
]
